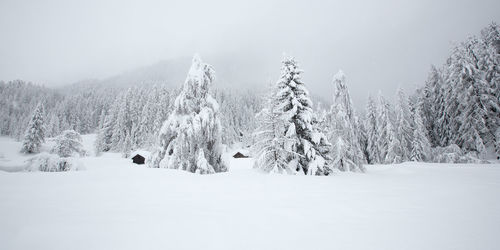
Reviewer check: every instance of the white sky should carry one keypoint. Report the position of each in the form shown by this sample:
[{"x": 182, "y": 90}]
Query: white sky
[{"x": 378, "y": 44}]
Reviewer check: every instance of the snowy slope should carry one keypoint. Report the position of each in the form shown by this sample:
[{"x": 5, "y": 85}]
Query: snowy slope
[{"x": 115, "y": 204}]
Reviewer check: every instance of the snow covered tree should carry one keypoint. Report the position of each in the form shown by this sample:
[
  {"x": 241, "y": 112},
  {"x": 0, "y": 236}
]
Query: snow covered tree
[
  {"x": 123, "y": 123},
  {"x": 295, "y": 108},
  {"x": 192, "y": 131},
  {"x": 403, "y": 125},
  {"x": 420, "y": 145},
  {"x": 469, "y": 91},
  {"x": 347, "y": 154},
  {"x": 461, "y": 101},
  {"x": 269, "y": 147},
  {"x": 384, "y": 128},
  {"x": 68, "y": 143},
  {"x": 363, "y": 139},
  {"x": 394, "y": 151},
  {"x": 372, "y": 132},
  {"x": 103, "y": 142},
  {"x": 202, "y": 165},
  {"x": 35, "y": 133},
  {"x": 433, "y": 101}
]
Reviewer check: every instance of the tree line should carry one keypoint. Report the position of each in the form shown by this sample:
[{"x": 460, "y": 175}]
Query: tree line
[{"x": 453, "y": 117}]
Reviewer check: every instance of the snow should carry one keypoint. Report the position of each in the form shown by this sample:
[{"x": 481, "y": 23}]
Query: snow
[{"x": 115, "y": 204}]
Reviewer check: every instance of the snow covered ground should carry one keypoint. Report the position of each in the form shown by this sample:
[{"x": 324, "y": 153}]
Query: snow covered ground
[{"x": 115, "y": 204}]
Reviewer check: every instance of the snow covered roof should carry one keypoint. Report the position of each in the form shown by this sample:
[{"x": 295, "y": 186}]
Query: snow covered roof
[{"x": 143, "y": 153}]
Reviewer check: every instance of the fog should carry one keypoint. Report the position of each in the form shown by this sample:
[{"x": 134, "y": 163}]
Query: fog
[{"x": 379, "y": 45}]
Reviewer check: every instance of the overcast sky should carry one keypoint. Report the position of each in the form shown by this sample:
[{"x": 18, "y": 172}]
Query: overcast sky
[{"x": 378, "y": 44}]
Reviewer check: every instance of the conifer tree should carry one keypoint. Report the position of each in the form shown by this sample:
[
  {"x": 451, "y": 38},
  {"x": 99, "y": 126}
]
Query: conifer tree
[
  {"x": 420, "y": 144},
  {"x": 35, "y": 133},
  {"x": 403, "y": 126},
  {"x": 347, "y": 154},
  {"x": 269, "y": 147},
  {"x": 384, "y": 128},
  {"x": 192, "y": 131},
  {"x": 295, "y": 108},
  {"x": 372, "y": 132}
]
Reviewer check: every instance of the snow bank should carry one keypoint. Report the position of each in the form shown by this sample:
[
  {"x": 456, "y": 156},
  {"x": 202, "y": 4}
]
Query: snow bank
[
  {"x": 116, "y": 205},
  {"x": 53, "y": 163}
]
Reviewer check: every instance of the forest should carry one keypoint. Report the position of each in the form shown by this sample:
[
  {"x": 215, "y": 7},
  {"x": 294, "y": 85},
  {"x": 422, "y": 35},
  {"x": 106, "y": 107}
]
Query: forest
[{"x": 453, "y": 117}]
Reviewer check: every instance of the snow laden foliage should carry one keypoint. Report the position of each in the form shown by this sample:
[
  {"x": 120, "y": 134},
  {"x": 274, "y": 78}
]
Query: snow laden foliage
[
  {"x": 343, "y": 129},
  {"x": 363, "y": 138},
  {"x": 420, "y": 146},
  {"x": 190, "y": 137},
  {"x": 53, "y": 163},
  {"x": 453, "y": 154},
  {"x": 269, "y": 147},
  {"x": 238, "y": 115},
  {"x": 35, "y": 133},
  {"x": 388, "y": 142},
  {"x": 296, "y": 144},
  {"x": 202, "y": 165},
  {"x": 403, "y": 125},
  {"x": 133, "y": 120},
  {"x": 68, "y": 144},
  {"x": 461, "y": 99},
  {"x": 384, "y": 128},
  {"x": 371, "y": 127},
  {"x": 18, "y": 99}
]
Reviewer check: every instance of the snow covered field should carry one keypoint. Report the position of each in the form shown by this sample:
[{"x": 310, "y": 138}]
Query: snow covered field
[{"x": 115, "y": 204}]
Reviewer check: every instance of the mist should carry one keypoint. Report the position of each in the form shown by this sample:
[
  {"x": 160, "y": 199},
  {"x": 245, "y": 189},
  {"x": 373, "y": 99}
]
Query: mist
[{"x": 379, "y": 45}]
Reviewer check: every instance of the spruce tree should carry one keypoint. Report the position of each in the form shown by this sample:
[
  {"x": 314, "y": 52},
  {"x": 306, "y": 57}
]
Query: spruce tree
[
  {"x": 35, "y": 133},
  {"x": 384, "y": 128},
  {"x": 192, "y": 131},
  {"x": 420, "y": 145},
  {"x": 372, "y": 132},
  {"x": 394, "y": 152},
  {"x": 469, "y": 89},
  {"x": 404, "y": 133},
  {"x": 347, "y": 154},
  {"x": 296, "y": 111},
  {"x": 269, "y": 147}
]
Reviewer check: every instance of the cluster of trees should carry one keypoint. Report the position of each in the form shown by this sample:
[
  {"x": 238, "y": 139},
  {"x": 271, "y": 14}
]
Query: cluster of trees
[
  {"x": 292, "y": 138},
  {"x": 460, "y": 100},
  {"x": 68, "y": 144},
  {"x": 124, "y": 119},
  {"x": 454, "y": 117},
  {"x": 63, "y": 110},
  {"x": 133, "y": 120},
  {"x": 137, "y": 115},
  {"x": 18, "y": 100},
  {"x": 393, "y": 133}
]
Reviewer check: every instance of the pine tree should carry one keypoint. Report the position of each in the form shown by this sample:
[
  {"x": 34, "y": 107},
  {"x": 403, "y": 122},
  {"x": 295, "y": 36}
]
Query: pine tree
[
  {"x": 35, "y": 133},
  {"x": 433, "y": 100},
  {"x": 404, "y": 133},
  {"x": 192, "y": 130},
  {"x": 394, "y": 151},
  {"x": 363, "y": 140},
  {"x": 372, "y": 132},
  {"x": 420, "y": 145},
  {"x": 384, "y": 128},
  {"x": 296, "y": 108},
  {"x": 269, "y": 147},
  {"x": 472, "y": 112},
  {"x": 347, "y": 154}
]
